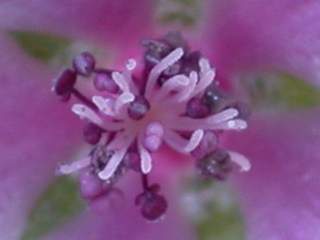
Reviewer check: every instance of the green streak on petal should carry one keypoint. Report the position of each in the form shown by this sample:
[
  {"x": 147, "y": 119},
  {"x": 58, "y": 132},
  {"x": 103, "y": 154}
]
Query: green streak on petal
[
  {"x": 216, "y": 213},
  {"x": 180, "y": 17},
  {"x": 298, "y": 93},
  {"x": 59, "y": 203},
  {"x": 222, "y": 224},
  {"x": 281, "y": 91},
  {"x": 40, "y": 45},
  {"x": 185, "y": 13}
]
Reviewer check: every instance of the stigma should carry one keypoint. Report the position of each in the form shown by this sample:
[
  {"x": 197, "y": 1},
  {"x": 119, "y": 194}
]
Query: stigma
[{"x": 174, "y": 101}]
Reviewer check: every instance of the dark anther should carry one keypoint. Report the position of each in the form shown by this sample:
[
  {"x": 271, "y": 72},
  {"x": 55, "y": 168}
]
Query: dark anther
[
  {"x": 191, "y": 62},
  {"x": 207, "y": 145},
  {"x": 103, "y": 81},
  {"x": 92, "y": 133},
  {"x": 196, "y": 108},
  {"x": 174, "y": 40},
  {"x": 138, "y": 108},
  {"x": 153, "y": 205},
  {"x": 243, "y": 108},
  {"x": 84, "y": 64},
  {"x": 216, "y": 165},
  {"x": 64, "y": 83},
  {"x": 100, "y": 157},
  {"x": 155, "y": 51},
  {"x": 215, "y": 98}
]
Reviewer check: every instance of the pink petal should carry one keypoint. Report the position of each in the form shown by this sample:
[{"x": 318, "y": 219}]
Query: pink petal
[
  {"x": 280, "y": 34},
  {"x": 34, "y": 135},
  {"x": 116, "y": 218},
  {"x": 281, "y": 192},
  {"x": 118, "y": 22}
]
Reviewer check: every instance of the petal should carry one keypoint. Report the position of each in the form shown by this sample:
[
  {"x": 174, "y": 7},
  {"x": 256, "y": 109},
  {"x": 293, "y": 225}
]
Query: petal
[
  {"x": 281, "y": 192},
  {"x": 116, "y": 218},
  {"x": 284, "y": 35},
  {"x": 118, "y": 22},
  {"x": 34, "y": 135}
]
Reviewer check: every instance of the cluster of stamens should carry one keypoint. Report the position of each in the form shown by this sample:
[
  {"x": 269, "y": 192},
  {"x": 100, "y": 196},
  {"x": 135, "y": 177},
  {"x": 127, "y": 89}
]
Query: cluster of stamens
[{"x": 176, "y": 103}]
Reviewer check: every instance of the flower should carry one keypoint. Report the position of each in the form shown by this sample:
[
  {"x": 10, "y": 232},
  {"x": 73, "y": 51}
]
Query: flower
[
  {"x": 129, "y": 121},
  {"x": 280, "y": 192}
]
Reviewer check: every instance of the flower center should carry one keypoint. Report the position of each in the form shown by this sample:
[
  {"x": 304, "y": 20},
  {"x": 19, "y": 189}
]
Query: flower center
[{"x": 179, "y": 105}]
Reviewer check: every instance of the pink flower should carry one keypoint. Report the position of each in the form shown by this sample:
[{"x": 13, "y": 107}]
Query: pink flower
[{"x": 279, "y": 194}]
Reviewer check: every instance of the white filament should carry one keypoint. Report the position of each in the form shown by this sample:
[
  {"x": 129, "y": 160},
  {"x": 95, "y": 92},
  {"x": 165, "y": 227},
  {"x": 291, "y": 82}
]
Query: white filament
[
  {"x": 74, "y": 167},
  {"x": 223, "y": 116},
  {"x": 145, "y": 158},
  {"x": 185, "y": 95},
  {"x": 204, "y": 82},
  {"x": 240, "y": 160},
  {"x": 121, "y": 81},
  {"x": 131, "y": 64},
  {"x": 112, "y": 164},
  {"x": 104, "y": 105},
  {"x": 236, "y": 124},
  {"x": 122, "y": 100},
  {"x": 194, "y": 141},
  {"x": 183, "y": 145},
  {"x": 166, "y": 62},
  {"x": 175, "y": 83},
  {"x": 85, "y": 112}
]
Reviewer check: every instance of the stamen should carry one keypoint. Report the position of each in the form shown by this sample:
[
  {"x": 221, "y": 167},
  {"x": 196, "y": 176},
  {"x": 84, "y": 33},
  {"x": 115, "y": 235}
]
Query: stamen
[
  {"x": 146, "y": 160},
  {"x": 183, "y": 145},
  {"x": 177, "y": 82},
  {"x": 205, "y": 80},
  {"x": 73, "y": 167},
  {"x": 186, "y": 93},
  {"x": 103, "y": 81},
  {"x": 84, "y": 64},
  {"x": 223, "y": 116},
  {"x": 131, "y": 64},
  {"x": 176, "y": 102},
  {"x": 194, "y": 141},
  {"x": 104, "y": 105},
  {"x": 237, "y": 124},
  {"x": 153, "y": 205},
  {"x": 112, "y": 164},
  {"x": 65, "y": 82},
  {"x": 122, "y": 100},
  {"x": 215, "y": 98},
  {"x": 204, "y": 65},
  {"x": 85, "y": 112},
  {"x": 121, "y": 81},
  {"x": 207, "y": 145},
  {"x": 216, "y": 165},
  {"x": 206, "y": 77},
  {"x": 169, "y": 60},
  {"x": 138, "y": 108},
  {"x": 240, "y": 160}
]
